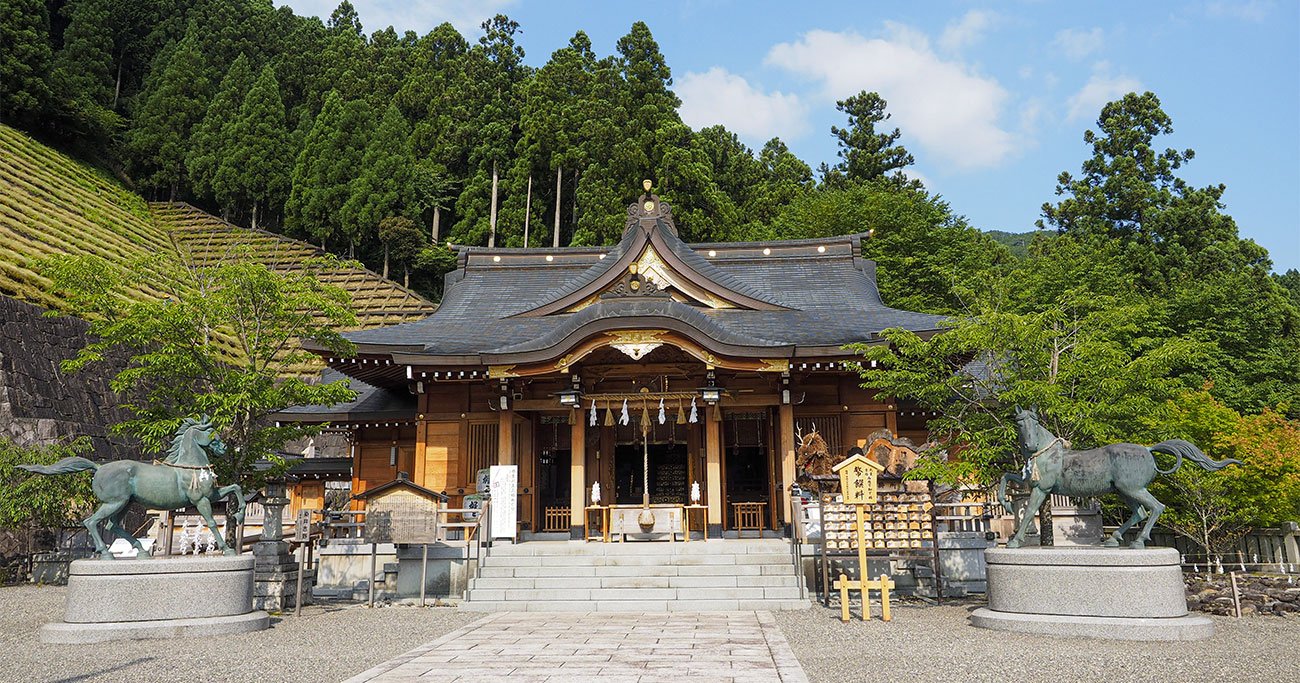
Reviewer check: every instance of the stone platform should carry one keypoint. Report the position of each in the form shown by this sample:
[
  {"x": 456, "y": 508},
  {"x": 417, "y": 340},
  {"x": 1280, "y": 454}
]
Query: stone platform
[
  {"x": 1114, "y": 593},
  {"x": 157, "y": 598}
]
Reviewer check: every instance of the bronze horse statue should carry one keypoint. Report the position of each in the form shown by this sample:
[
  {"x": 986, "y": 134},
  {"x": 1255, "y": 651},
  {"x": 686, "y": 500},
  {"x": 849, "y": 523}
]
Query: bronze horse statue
[
  {"x": 183, "y": 478},
  {"x": 1123, "y": 468}
]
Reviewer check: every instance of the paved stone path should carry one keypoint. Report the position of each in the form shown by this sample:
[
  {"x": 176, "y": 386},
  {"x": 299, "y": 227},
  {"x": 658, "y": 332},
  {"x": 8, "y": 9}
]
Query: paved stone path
[{"x": 609, "y": 647}]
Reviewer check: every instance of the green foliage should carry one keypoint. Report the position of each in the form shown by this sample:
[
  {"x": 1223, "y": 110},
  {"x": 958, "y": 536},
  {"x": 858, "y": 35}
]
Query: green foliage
[
  {"x": 322, "y": 175},
  {"x": 175, "y": 100},
  {"x": 82, "y": 74},
  {"x": 178, "y": 367},
  {"x": 382, "y": 186},
  {"x": 1179, "y": 246},
  {"x": 402, "y": 240},
  {"x": 24, "y": 60},
  {"x": 33, "y": 501},
  {"x": 867, "y": 155},
  {"x": 925, "y": 256},
  {"x": 255, "y": 169},
  {"x": 1215, "y": 509},
  {"x": 213, "y": 137}
]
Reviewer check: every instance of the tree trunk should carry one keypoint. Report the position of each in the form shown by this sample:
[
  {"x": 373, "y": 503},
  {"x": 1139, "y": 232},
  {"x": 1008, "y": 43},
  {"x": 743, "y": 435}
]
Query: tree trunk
[
  {"x": 352, "y": 248},
  {"x": 406, "y": 276},
  {"x": 437, "y": 217},
  {"x": 492, "y": 217},
  {"x": 559, "y": 176},
  {"x": 385, "y": 260},
  {"x": 528, "y": 207},
  {"x": 117, "y": 87},
  {"x": 574, "y": 221},
  {"x": 254, "y": 215}
]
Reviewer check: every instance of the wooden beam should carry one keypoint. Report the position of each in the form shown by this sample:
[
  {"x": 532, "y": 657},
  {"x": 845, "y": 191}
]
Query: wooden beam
[
  {"x": 577, "y": 473},
  {"x": 786, "y": 417},
  {"x": 713, "y": 465}
]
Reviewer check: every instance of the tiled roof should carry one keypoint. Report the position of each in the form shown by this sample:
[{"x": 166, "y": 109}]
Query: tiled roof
[{"x": 816, "y": 293}]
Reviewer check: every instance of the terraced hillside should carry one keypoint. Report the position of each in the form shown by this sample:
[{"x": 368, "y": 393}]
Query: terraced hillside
[
  {"x": 51, "y": 204},
  {"x": 208, "y": 239}
]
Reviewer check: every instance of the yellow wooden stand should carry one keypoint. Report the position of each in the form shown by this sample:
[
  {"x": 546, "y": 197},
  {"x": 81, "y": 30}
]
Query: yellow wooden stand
[{"x": 858, "y": 488}]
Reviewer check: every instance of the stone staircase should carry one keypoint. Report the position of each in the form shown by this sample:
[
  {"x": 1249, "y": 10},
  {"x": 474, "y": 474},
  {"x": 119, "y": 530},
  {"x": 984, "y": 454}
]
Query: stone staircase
[{"x": 700, "y": 576}]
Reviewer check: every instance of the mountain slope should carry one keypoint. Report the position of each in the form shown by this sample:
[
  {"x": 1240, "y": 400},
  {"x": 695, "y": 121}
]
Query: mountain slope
[{"x": 52, "y": 204}]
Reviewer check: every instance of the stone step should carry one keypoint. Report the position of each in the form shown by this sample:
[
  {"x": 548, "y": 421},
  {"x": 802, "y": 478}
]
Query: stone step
[
  {"x": 606, "y": 594},
  {"x": 553, "y": 548},
  {"x": 495, "y": 560},
  {"x": 527, "y": 571},
  {"x": 492, "y": 582},
  {"x": 635, "y": 605}
]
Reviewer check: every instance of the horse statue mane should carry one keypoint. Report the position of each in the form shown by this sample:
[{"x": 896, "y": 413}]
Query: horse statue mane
[{"x": 182, "y": 443}]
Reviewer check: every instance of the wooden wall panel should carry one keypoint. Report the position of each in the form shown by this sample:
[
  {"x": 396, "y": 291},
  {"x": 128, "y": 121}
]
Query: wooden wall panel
[{"x": 442, "y": 461}]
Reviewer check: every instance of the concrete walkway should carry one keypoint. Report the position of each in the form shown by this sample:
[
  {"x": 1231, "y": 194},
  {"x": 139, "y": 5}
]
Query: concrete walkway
[{"x": 609, "y": 647}]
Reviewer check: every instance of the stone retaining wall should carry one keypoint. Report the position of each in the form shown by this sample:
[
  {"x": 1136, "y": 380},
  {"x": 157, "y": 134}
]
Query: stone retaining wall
[
  {"x": 1259, "y": 594},
  {"x": 42, "y": 404}
]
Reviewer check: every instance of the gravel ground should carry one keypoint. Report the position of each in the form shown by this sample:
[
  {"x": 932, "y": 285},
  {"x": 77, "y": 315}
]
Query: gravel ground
[
  {"x": 328, "y": 643},
  {"x": 939, "y": 644}
]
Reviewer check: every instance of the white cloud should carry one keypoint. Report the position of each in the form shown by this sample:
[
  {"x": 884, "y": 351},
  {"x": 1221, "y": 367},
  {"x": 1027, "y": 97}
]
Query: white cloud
[
  {"x": 421, "y": 17},
  {"x": 1077, "y": 43},
  {"x": 1254, "y": 10},
  {"x": 719, "y": 96},
  {"x": 966, "y": 31},
  {"x": 1101, "y": 88},
  {"x": 948, "y": 108}
]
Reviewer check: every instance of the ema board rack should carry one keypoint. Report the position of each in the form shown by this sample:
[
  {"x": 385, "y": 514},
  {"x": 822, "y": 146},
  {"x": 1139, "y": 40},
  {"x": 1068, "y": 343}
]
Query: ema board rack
[{"x": 899, "y": 526}]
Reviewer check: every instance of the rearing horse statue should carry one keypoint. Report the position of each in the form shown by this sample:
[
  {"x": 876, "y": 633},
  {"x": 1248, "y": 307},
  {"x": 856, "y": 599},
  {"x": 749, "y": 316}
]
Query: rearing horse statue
[
  {"x": 183, "y": 478},
  {"x": 1123, "y": 468}
]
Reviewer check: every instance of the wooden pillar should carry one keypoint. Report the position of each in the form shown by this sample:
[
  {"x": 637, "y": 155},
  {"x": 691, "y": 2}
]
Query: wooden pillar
[
  {"x": 506, "y": 438},
  {"x": 577, "y": 476},
  {"x": 419, "y": 470},
  {"x": 786, "y": 416},
  {"x": 713, "y": 469}
]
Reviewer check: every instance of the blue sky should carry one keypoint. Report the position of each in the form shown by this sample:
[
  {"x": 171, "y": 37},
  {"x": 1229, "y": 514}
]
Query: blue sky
[{"x": 992, "y": 98}]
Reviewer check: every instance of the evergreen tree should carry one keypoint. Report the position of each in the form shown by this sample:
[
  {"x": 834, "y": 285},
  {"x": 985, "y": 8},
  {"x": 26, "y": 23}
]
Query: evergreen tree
[
  {"x": 24, "y": 60},
  {"x": 326, "y": 165},
  {"x": 255, "y": 171},
  {"x": 1184, "y": 251},
  {"x": 382, "y": 186},
  {"x": 82, "y": 70},
  {"x": 344, "y": 53},
  {"x": 402, "y": 240},
  {"x": 174, "y": 101},
  {"x": 866, "y": 154},
  {"x": 494, "y": 72},
  {"x": 213, "y": 137}
]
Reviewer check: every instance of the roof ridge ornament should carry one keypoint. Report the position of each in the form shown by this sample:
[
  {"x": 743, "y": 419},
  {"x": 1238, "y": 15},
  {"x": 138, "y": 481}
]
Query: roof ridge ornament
[{"x": 648, "y": 211}]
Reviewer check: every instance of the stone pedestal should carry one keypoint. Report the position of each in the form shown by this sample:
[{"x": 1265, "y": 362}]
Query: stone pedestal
[
  {"x": 157, "y": 598},
  {"x": 276, "y": 577},
  {"x": 1114, "y": 593}
]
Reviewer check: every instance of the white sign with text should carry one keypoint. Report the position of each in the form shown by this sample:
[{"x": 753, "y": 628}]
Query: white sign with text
[{"x": 504, "y": 486}]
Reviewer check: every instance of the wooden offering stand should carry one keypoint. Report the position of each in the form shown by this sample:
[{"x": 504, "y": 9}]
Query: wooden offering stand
[{"x": 858, "y": 488}]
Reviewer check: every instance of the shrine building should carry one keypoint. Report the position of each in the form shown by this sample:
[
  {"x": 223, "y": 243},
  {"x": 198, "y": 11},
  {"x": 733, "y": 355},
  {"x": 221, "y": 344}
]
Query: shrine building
[{"x": 553, "y": 359}]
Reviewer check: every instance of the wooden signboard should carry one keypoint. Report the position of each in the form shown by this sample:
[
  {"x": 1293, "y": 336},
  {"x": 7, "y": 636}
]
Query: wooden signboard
[
  {"x": 858, "y": 479},
  {"x": 858, "y": 487}
]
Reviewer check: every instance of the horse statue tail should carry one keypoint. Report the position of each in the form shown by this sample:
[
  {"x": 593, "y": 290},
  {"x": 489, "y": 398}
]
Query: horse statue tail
[
  {"x": 64, "y": 466},
  {"x": 1185, "y": 449}
]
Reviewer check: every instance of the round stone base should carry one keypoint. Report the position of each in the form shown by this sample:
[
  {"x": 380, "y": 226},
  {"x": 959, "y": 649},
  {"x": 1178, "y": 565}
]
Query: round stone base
[
  {"x": 1118, "y": 593},
  {"x": 64, "y": 632},
  {"x": 165, "y": 597},
  {"x": 1113, "y": 628}
]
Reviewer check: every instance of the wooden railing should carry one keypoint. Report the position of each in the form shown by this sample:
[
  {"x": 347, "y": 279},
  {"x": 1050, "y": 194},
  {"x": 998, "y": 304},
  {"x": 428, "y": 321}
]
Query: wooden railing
[{"x": 556, "y": 519}]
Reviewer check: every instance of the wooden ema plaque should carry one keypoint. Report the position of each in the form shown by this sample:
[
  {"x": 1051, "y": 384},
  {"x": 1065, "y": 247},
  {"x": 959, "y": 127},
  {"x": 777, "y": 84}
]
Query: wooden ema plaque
[{"x": 858, "y": 487}]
